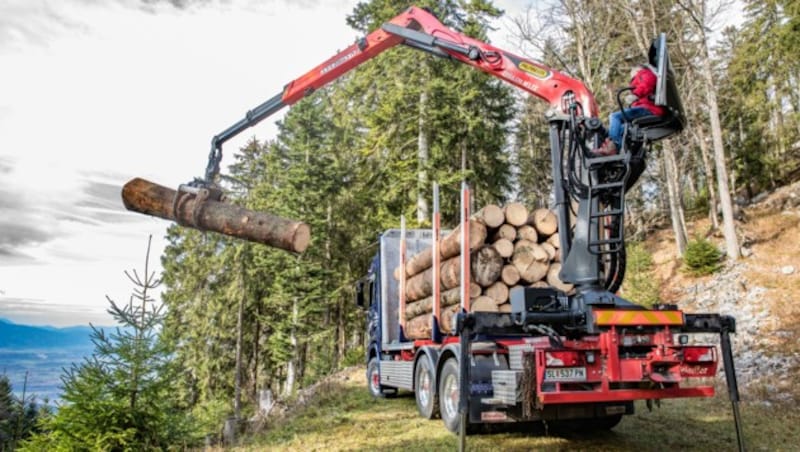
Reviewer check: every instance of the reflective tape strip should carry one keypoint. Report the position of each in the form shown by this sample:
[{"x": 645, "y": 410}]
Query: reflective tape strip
[{"x": 607, "y": 318}]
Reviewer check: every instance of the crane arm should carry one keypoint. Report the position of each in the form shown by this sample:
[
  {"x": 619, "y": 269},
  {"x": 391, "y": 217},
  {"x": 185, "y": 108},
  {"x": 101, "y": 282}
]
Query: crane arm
[{"x": 419, "y": 29}]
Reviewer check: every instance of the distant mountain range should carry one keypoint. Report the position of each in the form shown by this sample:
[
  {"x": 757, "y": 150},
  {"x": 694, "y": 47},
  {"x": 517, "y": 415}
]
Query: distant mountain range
[{"x": 15, "y": 336}]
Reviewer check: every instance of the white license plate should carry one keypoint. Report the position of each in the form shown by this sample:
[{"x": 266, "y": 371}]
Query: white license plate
[{"x": 565, "y": 374}]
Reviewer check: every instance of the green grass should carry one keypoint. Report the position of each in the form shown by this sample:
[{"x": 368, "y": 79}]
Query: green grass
[{"x": 345, "y": 417}]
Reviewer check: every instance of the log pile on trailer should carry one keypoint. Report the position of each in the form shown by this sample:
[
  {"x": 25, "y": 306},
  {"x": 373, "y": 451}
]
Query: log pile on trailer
[{"x": 511, "y": 246}]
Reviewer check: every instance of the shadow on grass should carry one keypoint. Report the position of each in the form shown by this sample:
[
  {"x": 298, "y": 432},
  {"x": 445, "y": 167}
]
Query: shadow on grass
[{"x": 345, "y": 417}]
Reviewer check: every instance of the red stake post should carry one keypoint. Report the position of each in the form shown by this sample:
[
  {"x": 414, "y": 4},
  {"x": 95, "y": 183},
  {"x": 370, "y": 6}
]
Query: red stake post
[
  {"x": 402, "y": 285},
  {"x": 436, "y": 257},
  {"x": 465, "y": 263}
]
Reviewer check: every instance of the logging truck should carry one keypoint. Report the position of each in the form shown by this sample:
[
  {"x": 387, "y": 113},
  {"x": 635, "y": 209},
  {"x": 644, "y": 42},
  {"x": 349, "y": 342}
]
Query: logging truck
[{"x": 510, "y": 320}]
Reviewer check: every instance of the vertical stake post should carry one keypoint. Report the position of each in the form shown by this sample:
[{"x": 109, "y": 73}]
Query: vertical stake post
[
  {"x": 436, "y": 312},
  {"x": 465, "y": 263},
  {"x": 464, "y": 328},
  {"x": 402, "y": 285}
]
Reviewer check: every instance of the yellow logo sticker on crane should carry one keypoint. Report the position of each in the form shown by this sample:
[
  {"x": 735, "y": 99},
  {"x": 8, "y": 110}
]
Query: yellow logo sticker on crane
[
  {"x": 602, "y": 318},
  {"x": 534, "y": 70}
]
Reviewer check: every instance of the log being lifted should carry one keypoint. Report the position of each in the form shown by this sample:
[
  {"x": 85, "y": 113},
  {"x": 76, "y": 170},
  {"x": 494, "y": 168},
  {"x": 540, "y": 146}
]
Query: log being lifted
[{"x": 145, "y": 197}]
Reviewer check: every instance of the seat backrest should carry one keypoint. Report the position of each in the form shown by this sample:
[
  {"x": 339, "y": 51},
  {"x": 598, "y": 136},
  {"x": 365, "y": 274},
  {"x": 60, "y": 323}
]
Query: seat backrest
[
  {"x": 654, "y": 128},
  {"x": 666, "y": 95}
]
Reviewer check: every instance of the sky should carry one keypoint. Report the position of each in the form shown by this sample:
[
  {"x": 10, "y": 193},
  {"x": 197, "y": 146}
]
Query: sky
[{"x": 94, "y": 93}]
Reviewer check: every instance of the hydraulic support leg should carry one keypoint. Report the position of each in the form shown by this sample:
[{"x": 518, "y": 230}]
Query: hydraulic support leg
[{"x": 733, "y": 386}]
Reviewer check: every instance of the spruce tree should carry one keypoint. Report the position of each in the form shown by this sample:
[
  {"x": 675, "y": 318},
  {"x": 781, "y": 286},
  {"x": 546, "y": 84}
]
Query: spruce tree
[{"x": 122, "y": 397}]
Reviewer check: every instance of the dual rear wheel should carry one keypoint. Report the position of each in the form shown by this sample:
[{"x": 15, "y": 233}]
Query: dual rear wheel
[{"x": 443, "y": 402}]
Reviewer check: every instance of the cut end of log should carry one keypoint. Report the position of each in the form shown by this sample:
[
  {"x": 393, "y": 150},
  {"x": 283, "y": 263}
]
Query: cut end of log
[
  {"x": 302, "y": 237},
  {"x": 516, "y": 214},
  {"x": 555, "y": 281},
  {"x": 490, "y": 215},
  {"x": 545, "y": 221}
]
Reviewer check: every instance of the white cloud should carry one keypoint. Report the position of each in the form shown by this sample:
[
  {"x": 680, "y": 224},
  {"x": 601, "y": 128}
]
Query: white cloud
[{"x": 99, "y": 92}]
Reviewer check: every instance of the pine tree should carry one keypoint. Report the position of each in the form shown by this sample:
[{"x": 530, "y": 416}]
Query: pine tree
[
  {"x": 7, "y": 413},
  {"x": 122, "y": 397}
]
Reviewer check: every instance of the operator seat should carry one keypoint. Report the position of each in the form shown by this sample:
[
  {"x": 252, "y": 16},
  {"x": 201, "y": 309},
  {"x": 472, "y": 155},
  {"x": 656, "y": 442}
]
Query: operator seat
[
  {"x": 643, "y": 131},
  {"x": 648, "y": 129}
]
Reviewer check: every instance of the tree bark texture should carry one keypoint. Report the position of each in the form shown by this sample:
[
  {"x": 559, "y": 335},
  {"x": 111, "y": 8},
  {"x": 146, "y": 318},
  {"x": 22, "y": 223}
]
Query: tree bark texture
[
  {"x": 449, "y": 246},
  {"x": 728, "y": 225},
  {"x": 674, "y": 193},
  {"x": 486, "y": 265},
  {"x": 145, "y": 197},
  {"x": 448, "y": 298}
]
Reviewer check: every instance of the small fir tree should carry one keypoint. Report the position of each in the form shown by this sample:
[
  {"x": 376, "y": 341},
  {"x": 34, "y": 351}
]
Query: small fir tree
[
  {"x": 640, "y": 286},
  {"x": 122, "y": 397},
  {"x": 702, "y": 257}
]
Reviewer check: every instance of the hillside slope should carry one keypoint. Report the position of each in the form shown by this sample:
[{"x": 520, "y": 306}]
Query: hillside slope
[{"x": 761, "y": 290}]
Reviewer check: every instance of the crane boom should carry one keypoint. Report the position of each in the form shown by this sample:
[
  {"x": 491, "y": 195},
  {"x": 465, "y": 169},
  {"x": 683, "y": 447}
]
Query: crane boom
[{"x": 419, "y": 29}]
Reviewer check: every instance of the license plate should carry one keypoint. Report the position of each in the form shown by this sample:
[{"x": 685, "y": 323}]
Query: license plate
[{"x": 565, "y": 374}]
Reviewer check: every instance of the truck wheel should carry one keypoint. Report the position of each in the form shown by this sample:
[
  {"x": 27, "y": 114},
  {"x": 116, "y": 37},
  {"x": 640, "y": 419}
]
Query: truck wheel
[
  {"x": 448, "y": 394},
  {"x": 425, "y": 390},
  {"x": 376, "y": 389}
]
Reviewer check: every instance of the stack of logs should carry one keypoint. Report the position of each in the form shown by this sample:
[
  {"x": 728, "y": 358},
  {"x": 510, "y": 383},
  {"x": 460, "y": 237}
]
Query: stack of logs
[{"x": 510, "y": 247}]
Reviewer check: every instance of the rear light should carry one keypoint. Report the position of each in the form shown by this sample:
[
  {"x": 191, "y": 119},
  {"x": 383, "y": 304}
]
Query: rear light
[
  {"x": 590, "y": 357},
  {"x": 562, "y": 358},
  {"x": 699, "y": 354}
]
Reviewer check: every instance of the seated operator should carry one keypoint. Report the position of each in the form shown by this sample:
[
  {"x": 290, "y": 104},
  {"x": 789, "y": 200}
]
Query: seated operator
[{"x": 643, "y": 87}]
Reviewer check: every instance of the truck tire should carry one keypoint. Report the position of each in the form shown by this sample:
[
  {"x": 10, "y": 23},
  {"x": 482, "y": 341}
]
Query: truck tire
[
  {"x": 448, "y": 394},
  {"x": 376, "y": 389},
  {"x": 425, "y": 389}
]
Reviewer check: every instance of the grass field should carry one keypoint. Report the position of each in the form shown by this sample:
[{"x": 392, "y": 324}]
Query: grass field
[{"x": 343, "y": 416}]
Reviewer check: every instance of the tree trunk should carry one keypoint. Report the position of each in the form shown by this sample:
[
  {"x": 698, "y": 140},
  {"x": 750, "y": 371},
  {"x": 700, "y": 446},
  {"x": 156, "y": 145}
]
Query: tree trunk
[
  {"x": 237, "y": 386},
  {"x": 291, "y": 367},
  {"x": 709, "y": 173},
  {"x": 728, "y": 225},
  {"x": 145, "y": 197},
  {"x": 673, "y": 191},
  {"x": 423, "y": 155}
]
